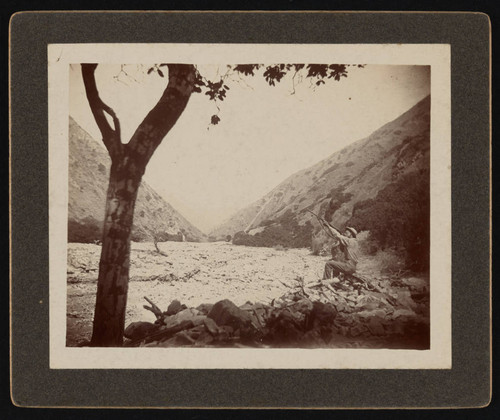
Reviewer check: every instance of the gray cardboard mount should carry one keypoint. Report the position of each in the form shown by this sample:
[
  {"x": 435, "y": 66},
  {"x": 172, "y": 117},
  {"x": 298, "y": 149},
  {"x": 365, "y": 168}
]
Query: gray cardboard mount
[{"x": 467, "y": 384}]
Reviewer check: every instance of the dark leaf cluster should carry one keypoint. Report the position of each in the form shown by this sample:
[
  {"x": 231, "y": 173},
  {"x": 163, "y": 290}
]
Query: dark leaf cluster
[
  {"x": 157, "y": 68},
  {"x": 216, "y": 90},
  {"x": 214, "y": 120},
  {"x": 274, "y": 74},
  {"x": 324, "y": 71},
  {"x": 247, "y": 69}
]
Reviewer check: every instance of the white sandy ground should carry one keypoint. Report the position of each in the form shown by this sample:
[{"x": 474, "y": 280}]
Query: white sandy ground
[{"x": 200, "y": 273}]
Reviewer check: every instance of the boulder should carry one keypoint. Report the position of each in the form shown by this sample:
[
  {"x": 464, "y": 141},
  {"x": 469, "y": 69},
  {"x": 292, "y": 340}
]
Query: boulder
[
  {"x": 259, "y": 315},
  {"x": 204, "y": 339},
  {"x": 303, "y": 306},
  {"x": 211, "y": 326},
  {"x": 357, "y": 330},
  {"x": 247, "y": 306},
  {"x": 284, "y": 330},
  {"x": 184, "y": 337},
  {"x": 322, "y": 314},
  {"x": 138, "y": 330},
  {"x": 226, "y": 332},
  {"x": 205, "y": 308},
  {"x": 195, "y": 332},
  {"x": 174, "y": 307},
  {"x": 375, "y": 326},
  {"x": 227, "y": 313},
  {"x": 416, "y": 284},
  {"x": 189, "y": 314}
]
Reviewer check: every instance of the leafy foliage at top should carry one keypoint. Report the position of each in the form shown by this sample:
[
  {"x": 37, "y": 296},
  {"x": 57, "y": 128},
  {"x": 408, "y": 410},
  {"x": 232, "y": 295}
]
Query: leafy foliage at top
[
  {"x": 247, "y": 69},
  {"x": 217, "y": 90}
]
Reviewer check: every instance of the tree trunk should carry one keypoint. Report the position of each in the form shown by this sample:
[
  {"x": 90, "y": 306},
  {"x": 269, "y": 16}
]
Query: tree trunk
[
  {"x": 112, "y": 283},
  {"x": 129, "y": 162}
]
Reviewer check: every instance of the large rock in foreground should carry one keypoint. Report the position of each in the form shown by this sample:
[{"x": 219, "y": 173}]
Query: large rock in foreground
[
  {"x": 226, "y": 312},
  {"x": 316, "y": 315}
]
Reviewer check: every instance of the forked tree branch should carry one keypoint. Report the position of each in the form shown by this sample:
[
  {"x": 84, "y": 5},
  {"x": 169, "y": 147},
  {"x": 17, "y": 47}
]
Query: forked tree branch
[
  {"x": 165, "y": 113},
  {"x": 111, "y": 137}
]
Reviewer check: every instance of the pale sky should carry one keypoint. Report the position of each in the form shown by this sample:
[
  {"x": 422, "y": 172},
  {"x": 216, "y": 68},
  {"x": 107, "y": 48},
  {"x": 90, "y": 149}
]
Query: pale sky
[{"x": 265, "y": 133}]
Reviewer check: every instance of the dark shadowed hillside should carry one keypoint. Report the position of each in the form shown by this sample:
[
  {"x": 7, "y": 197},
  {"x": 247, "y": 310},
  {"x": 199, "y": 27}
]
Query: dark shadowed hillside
[
  {"x": 391, "y": 165},
  {"x": 88, "y": 181}
]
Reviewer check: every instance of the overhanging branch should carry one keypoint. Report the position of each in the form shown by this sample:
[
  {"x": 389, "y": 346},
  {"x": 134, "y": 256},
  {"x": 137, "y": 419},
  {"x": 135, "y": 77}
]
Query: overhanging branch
[
  {"x": 165, "y": 113},
  {"x": 111, "y": 136}
]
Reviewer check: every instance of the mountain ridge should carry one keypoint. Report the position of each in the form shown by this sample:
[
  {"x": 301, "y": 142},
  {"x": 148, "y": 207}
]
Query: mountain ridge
[
  {"x": 334, "y": 185},
  {"x": 87, "y": 189}
]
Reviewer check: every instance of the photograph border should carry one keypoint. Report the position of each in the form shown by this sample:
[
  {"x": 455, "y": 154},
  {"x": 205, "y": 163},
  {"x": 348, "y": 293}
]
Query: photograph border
[
  {"x": 467, "y": 384},
  {"x": 437, "y": 356}
]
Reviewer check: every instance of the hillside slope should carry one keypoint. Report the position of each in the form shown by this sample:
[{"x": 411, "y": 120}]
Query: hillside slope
[
  {"x": 333, "y": 186},
  {"x": 89, "y": 165}
]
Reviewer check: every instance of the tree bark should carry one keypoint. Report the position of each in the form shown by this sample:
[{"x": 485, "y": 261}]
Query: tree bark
[
  {"x": 112, "y": 282},
  {"x": 129, "y": 162}
]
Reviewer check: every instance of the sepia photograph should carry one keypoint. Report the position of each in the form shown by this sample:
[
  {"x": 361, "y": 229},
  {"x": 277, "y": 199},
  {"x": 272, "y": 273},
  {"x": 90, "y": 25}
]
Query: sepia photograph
[
  {"x": 250, "y": 210},
  {"x": 261, "y": 203}
]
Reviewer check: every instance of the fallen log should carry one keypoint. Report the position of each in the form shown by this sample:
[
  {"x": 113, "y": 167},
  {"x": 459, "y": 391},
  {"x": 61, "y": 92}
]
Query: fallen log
[{"x": 164, "y": 333}]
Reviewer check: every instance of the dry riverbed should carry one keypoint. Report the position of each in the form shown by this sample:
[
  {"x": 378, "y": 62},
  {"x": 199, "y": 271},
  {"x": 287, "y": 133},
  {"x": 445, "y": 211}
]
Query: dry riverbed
[
  {"x": 200, "y": 273},
  {"x": 193, "y": 273}
]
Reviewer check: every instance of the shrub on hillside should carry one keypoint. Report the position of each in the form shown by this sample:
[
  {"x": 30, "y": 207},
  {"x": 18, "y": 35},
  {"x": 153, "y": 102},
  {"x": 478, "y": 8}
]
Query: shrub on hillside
[
  {"x": 165, "y": 237},
  {"x": 285, "y": 231},
  {"x": 243, "y": 238},
  {"x": 399, "y": 218},
  {"x": 139, "y": 236},
  {"x": 338, "y": 197},
  {"x": 87, "y": 231}
]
